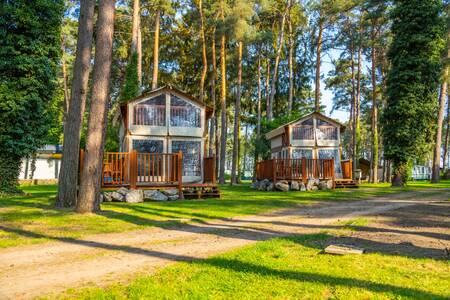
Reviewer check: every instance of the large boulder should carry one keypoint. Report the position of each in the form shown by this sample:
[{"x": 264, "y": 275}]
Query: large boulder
[
  {"x": 155, "y": 195},
  {"x": 302, "y": 187},
  {"x": 270, "y": 187},
  {"x": 295, "y": 186},
  {"x": 171, "y": 192},
  {"x": 310, "y": 184},
  {"x": 282, "y": 186},
  {"x": 117, "y": 197},
  {"x": 134, "y": 196},
  {"x": 107, "y": 197},
  {"x": 173, "y": 197},
  {"x": 262, "y": 186},
  {"x": 123, "y": 191}
]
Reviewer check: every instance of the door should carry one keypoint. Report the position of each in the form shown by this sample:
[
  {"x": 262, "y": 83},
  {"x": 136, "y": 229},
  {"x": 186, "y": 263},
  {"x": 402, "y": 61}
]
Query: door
[{"x": 192, "y": 163}]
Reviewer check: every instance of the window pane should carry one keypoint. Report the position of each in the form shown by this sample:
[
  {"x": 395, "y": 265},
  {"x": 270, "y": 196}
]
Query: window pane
[
  {"x": 148, "y": 146},
  {"x": 183, "y": 114},
  {"x": 326, "y": 130},
  {"x": 151, "y": 112},
  {"x": 191, "y": 156},
  {"x": 300, "y": 153},
  {"x": 304, "y": 131},
  {"x": 332, "y": 153}
]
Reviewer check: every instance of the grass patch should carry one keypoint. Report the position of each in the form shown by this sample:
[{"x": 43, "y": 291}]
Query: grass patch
[
  {"x": 288, "y": 268},
  {"x": 31, "y": 218}
]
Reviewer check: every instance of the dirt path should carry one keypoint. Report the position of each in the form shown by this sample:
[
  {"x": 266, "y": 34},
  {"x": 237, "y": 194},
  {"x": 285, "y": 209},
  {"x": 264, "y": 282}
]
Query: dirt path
[{"x": 27, "y": 272}]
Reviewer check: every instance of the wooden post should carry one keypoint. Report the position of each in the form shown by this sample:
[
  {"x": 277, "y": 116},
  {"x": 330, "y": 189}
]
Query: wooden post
[
  {"x": 304, "y": 175},
  {"x": 180, "y": 175},
  {"x": 351, "y": 170},
  {"x": 81, "y": 165},
  {"x": 274, "y": 170},
  {"x": 133, "y": 169},
  {"x": 332, "y": 173}
]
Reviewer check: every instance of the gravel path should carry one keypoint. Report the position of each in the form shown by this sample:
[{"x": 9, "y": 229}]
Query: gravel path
[{"x": 30, "y": 271}]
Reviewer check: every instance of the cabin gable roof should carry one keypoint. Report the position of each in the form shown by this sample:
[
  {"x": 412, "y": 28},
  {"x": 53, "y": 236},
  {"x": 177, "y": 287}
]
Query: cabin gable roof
[{"x": 282, "y": 129}]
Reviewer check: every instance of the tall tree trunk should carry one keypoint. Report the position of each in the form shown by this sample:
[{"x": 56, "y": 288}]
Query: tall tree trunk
[
  {"x": 89, "y": 200},
  {"x": 277, "y": 62},
  {"x": 204, "y": 59},
  {"x": 435, "y": 175},
  {"x": 136, "y": 43},
  {"x": 447, "y": 133},
  {"x": 374, "y": 163},
  {"x": 156, "y": 51},
  {"x": 318, "y": 63},
  {"x": 64, "y": 75},
  {"x": 223, "y": 107},
  {"x": 212, "y": 130},
  {"x": 291, "y": 68},
  {"x": 268, "y": 108},
  {"x": 353, "y": 113},
  {"x": 258, "y": 122},
  {"x": 237, "y": 111},
  {"x": 68, "y": 176}
]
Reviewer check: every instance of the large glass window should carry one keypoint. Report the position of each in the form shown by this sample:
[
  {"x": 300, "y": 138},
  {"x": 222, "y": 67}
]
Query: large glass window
[
  {"x": 304, "y": 131},
  {"x": 151, "y": 112},
  {"x": 184, "y": 114},
  {"x": 191, "y": 156},
  {"x": 300, "y": 153},
  {"x": 326, "y": 130},
  {"x": 331, "y": 153},
  {"x": 148, "y": 146}
]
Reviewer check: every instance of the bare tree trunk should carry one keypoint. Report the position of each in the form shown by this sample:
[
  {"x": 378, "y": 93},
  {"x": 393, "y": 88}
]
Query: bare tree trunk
[
  {"x": 268, "y": 108},
  {"x": 212, "y": 130},
  {"x": 435, "y": 176},
  {"x": 237, "y": 111},
  {"x": 64, "y": 75},
  {"x": 136, "y": 43},
  {"x": 156, "y": 51},
  {"x": 89, "y": 200},
  {"x": 447, "y": 133},
  {"x": 291, "y": 67},
  {"x": 353, "y": 113},
  {"x": 374, "y": 162},
  {"x": 68, "y": 176},
  {"x": 258, "y": 124},
  {"x": 318, "y": 63},
  {"x": 223, "y": 107},
  {"x": 277, "y": 62},
  {"x": 204, "y": 59}
]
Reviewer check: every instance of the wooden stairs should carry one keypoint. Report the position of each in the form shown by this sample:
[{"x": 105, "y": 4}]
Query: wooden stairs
[
  {"x": 200, "y": 191},
  {"x": 345, "y": 184}
]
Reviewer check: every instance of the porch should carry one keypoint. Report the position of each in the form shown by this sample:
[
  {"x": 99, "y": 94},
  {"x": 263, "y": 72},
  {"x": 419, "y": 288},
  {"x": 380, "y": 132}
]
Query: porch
[
  {"x": 302, "y": 169},
  {"x": 135, "y": 170}
]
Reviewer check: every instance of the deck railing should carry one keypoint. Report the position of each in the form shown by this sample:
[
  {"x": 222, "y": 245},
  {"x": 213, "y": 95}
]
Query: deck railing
[{"x": 295, "y": 169}]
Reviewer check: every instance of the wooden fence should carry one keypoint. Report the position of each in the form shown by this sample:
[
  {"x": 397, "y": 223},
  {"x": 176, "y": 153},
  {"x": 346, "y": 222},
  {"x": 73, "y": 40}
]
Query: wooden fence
[{"x": 295, "y": 169}]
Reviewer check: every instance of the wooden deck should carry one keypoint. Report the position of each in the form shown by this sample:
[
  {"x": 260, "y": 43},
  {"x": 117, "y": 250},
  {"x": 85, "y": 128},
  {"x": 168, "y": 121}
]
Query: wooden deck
[
  {"x": 155, "y": 171},
  {"x": 303, "y": 169}
]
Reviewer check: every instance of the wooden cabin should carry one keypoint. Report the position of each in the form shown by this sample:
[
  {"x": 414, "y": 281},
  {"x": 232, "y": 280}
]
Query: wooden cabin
[
  {"x": 315, "y": 139},
  {"x": 162, "y": 145}
]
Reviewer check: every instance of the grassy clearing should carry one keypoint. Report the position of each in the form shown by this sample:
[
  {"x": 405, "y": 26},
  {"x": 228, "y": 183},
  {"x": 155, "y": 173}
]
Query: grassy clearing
[
  {"x": 288, "y": 268},
  {"x": 32, "y": 218}
]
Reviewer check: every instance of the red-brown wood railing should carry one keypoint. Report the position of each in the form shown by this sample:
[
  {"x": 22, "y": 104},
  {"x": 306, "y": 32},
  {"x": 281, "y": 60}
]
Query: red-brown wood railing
[
  {"x": 347, "y": 170},
  {"x": 209, "y": 169},
  {"x": 295, "y": 169}
]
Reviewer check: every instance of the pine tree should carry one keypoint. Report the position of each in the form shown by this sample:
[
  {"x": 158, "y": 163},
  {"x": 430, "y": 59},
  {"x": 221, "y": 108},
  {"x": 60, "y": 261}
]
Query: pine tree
[
  {"x": 409, "y": 118},
  {"x": 29, "y": 55}
]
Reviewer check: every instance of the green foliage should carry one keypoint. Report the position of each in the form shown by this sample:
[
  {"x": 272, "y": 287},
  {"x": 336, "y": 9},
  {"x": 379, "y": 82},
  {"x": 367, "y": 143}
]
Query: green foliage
[
  {"x": 130, "y": 88},
  {"x": 409, "y": 118},
  {"x": 29, "y": 54}
]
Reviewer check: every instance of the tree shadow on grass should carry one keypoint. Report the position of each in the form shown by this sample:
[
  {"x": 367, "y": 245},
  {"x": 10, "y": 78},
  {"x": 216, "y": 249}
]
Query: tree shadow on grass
[{"x": 260, "y": 270}]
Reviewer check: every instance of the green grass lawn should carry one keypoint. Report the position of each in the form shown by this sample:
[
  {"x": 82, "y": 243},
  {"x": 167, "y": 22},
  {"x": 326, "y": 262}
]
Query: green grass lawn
[
  {"x": 31, "y": 218},
  {"x": 288, "y": 268}
]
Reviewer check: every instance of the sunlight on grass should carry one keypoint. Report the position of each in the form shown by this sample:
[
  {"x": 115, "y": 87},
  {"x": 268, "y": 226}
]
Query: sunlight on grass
[
  {"x": 288, "y": 268},
  {"x": 31, "y": 218}
]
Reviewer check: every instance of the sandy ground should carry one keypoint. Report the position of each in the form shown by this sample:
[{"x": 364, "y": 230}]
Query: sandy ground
[{"x": 414, "y": 224}]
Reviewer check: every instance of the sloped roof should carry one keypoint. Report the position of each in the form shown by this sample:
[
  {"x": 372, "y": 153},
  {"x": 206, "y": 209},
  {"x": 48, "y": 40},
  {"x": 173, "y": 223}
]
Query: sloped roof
[
  {"x": 167, "y": 89},
  {"x": 280, "y": 130}
]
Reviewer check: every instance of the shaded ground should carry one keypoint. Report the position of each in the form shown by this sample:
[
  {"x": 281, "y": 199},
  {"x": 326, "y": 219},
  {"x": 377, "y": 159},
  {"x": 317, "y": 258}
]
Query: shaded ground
[{"x": 410, "y": 224}]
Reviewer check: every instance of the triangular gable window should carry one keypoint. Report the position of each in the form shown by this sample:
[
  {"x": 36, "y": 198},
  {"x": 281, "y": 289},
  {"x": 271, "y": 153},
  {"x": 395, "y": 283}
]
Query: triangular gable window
[
  {"x": 304, "y": 130},
  {"x": 151, "y": 112}
]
